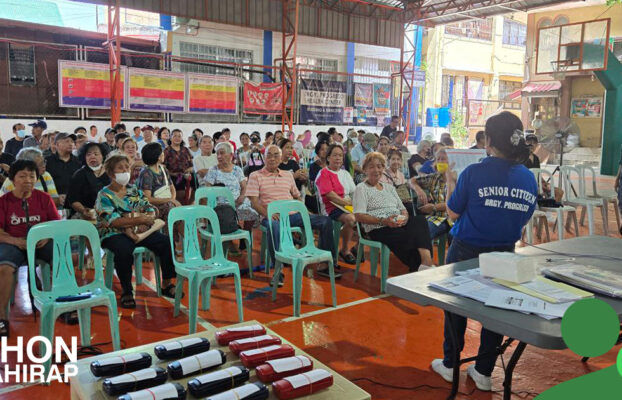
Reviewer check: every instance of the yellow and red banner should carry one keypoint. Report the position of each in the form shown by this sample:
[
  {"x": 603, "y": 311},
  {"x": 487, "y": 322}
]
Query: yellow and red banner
[
  {"x": 159, "y": 91},
  {"x": 83, "y": 84},
  {"x": 212, "y": 94}
]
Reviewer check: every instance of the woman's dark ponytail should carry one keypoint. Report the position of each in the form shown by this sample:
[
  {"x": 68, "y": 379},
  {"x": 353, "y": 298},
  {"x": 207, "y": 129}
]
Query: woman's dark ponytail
[{"x": 505, "y": 131}]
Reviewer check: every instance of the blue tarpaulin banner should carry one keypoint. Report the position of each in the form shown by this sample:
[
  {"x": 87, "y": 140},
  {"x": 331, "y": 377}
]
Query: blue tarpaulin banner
[{"x": 322, "y": 102}]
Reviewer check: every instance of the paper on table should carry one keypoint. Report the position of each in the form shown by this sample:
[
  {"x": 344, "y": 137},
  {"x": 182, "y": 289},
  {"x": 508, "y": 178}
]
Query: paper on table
[
  {"x": 513, "y": 300},
  {"x": 120, "y": 359},
  {"x": 254, "y": 339},
  {"x": 469, "y": 272},
  {"x": 463, "y": 286},
  {"x": 200, "y": 361},
  {"x": 572, "y": 274},
  {"x": 249, "y": 328},
  {"x": 547, "y": 290},
  {"x": 462, "y": 158}
]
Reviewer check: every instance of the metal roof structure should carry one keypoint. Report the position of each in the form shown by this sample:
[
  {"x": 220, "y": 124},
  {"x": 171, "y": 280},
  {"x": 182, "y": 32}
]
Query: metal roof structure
[{"x": 377, "y": 22}]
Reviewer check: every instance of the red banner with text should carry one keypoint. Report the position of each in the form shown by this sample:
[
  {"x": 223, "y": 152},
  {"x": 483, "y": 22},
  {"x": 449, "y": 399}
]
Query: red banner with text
[{"x": 263, "y": 98}]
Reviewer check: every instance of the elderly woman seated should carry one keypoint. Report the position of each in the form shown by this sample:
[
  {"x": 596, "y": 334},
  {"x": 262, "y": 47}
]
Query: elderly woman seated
[
  {"x": 336, "y": 187},
  {"x": 155, "y": 182},
  {"x": 432, "y": 197},
  {"x": 385, "y": 219},
  {"x": 423, "y": 154},
  {"x": 122, "y": 209},
  {"x": 130, "y": 148},
  {"x": 394, "y": 176},
  {"x": 229, "y": 175},
  {"x": 88, "y": 180},
  {"x": 45, "y": 182},
  {"x": 21, "y": 208}
]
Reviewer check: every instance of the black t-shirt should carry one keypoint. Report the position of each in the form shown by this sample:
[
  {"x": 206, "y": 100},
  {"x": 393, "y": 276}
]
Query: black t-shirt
[
  {"x": 292, "y": 165},
  {"x": 532, "y": 164},
  {"x": 62, "y": 171},
  {"x": 414, "y": 159},
  {"x": 85, "y": 186},
  {"x": 13, "y": 146},
  {"x": 6, "y": 158},
  {"x": 388, "y": 131}
]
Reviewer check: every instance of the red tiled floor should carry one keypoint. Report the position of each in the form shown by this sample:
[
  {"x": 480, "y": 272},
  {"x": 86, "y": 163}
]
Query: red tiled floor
[{"x": 384, "y": 345}]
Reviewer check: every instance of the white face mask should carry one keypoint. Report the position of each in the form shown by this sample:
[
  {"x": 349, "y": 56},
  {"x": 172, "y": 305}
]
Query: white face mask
[
  {"x": 95, "y": 168},
  {"x": 122, "y": 178}
]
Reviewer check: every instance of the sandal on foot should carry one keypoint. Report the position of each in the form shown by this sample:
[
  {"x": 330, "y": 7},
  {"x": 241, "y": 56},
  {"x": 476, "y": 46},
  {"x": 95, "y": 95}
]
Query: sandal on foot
[
  {"x": 169, "y": 291},
  {"x": 127, "y": 301},
  {"x": 4, "y": 327},
  {"x": 347, "y": 258}
]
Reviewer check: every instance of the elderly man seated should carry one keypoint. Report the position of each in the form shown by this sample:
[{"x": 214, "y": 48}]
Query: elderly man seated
[{"x": 271, "y": 184}]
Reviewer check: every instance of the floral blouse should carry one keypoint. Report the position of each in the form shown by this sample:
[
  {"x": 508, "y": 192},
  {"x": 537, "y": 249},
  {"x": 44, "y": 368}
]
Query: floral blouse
[
  {"x": 177, "y": 162},
  {"x": 110, "y": 207}
]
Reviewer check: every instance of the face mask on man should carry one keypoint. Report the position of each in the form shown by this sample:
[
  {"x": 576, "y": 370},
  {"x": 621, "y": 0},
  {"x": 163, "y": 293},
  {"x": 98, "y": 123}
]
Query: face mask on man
[
  {"x": 122, "y": 178},
  {"x": 21, "y": 133}
]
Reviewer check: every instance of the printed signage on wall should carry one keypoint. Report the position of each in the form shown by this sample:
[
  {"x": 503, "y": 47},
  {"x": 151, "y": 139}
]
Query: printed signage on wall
[
  {"x": 363, "y": 95},
  {"x": 82, "y": 84},
  {"x": 159, "y": 91},
  {"x": 263, "y": 98},
  {"x": 322, "y": 101},
  {"x": 212, "y": 94}
]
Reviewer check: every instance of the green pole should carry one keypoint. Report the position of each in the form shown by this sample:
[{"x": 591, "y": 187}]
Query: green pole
[{"x": 611, "y": 79}]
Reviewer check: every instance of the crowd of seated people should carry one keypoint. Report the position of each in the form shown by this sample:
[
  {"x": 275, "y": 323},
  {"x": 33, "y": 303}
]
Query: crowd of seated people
[{"x": 123, "y": 182}]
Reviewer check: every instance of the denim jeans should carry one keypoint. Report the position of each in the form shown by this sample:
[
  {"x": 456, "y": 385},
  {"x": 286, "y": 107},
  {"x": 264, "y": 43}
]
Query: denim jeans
[
  {"x": 320, "y": 223},
  {"x": 489, "y": 341}
]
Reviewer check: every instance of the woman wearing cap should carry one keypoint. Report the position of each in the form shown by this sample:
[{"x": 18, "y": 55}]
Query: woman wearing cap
[
  {"x": 490, "y": 203},
  {"x": 88, "y": 180}
]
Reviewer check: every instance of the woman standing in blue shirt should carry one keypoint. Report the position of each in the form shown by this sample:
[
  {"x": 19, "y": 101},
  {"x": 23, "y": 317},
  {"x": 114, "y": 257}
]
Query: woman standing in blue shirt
[{"x": 490, "y": 202}]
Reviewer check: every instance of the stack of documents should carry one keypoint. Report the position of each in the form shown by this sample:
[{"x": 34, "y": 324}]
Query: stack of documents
[
  {"x": 588, "y": 277},
  {"x": 543, "y": 297}
]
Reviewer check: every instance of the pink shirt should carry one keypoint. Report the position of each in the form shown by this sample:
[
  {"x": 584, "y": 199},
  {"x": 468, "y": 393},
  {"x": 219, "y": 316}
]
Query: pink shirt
[
  {"x": 328, "y": 181},
  {"x": 271, "y": 186}
]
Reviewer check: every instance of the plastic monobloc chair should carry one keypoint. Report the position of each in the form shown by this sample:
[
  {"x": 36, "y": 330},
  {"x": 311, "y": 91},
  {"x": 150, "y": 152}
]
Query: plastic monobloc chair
[
  {"x": 139, "y": 252},
  {"x": 579, "y": 199},
  {"x": 64, "y": 282},
  {"x": 571, "y": 212},
  {"x": 212, "y": 195},
  {"x": 264, "y": 253},
  {"x": 375, "y": 248},
  {"x": 608, "y": 196},
  {"x": 289, "y": 254},
  {"x": 198, "y": 271}
]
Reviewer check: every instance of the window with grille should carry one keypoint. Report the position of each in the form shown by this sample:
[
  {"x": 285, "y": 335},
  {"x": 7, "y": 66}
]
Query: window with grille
[
  {"x": 22, "y": 64},
  {"x": 506, "y": 88},
  {"x": 474, "y": 29},
  {"x": 371, "y": 66},
  {"x": 514, "y": 32},
  {"x": 207, "y": 52},
  {"x": 321, "y": 64}
]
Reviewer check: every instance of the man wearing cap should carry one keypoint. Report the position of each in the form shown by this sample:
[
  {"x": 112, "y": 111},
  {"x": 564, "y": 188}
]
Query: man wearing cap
[
  {"x": 63, "y": 164},
  {"x": 147, "y": 137},
  {"x": 37, "y": 131},
  {"x": 109, "y": 139},
  {"x": 362, "y": 148}
]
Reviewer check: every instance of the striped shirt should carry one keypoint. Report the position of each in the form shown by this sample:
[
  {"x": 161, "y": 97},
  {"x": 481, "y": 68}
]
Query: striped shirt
[
  {"x": 50, "y": 187},
  {"x": 271, "y": 186}
]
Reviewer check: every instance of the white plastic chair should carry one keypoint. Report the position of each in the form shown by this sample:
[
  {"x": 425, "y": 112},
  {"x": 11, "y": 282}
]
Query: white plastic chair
[
  {"x": 606, "y": 196},
  {"x": 571, "y": 212},
  {"x": 578, "y": 199},
  {"x": 538, "y": 217}
]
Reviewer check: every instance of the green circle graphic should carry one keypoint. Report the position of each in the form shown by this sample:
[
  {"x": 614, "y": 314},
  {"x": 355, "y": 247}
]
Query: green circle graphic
[
  {"x": 619, "y": 362},
  {"x": 590, "y": 328}
]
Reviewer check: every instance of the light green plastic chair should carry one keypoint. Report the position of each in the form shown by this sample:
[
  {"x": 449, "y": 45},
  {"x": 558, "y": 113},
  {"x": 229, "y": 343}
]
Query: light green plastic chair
[
  {"x": 375, "y": 248},
  {"x": 289, "y": 254},
  {"x": 194, "y": 267},
  {"x": 64, "y": 282},
  {"x": 211, "y": 195}
]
